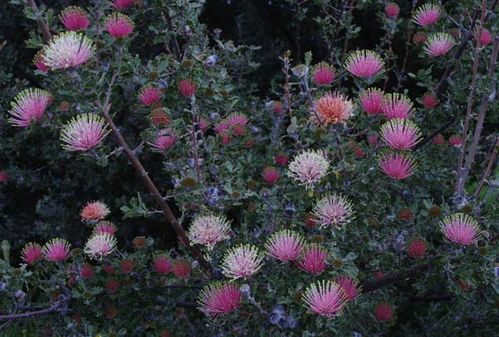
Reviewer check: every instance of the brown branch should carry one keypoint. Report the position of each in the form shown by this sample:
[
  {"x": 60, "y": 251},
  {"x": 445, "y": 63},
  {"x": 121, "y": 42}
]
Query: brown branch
[
  {"x": 488, "y": 170},
  {"x": 53, "y": 308},
  {"x": 42, "y": 25}
]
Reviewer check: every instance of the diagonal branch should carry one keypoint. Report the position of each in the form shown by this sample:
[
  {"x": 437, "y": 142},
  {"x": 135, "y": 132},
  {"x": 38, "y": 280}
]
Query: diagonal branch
[{"x": 42, "y": 24}]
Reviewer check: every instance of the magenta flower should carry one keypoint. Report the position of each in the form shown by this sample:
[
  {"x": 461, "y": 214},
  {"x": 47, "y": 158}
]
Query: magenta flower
[
  {"x": 31, "y": 253},
  {"x": 460, "y": 229},
  {"x": 323, "y": 74},
  {"x": 372, "y": 139},
  {"x": 383, "y": 312},
  {"x": 308, "y": 167},
  {"x": 371, "y": 100},
  {"x": 4, "y": 176},
  {"x": 119, "y": 25},
  {"x": 400, "y": 134},
  {"x": 455, "y": 140},
  {"x": 350, "y": 286},
  {"x": 284, "y": 245},
  {"x": 483, "y": 35},
  {"x": 427, "y": 15},
  {"x": 165, "y": 140},
  {"x": 29, "y": 106},
  {"x": 68, "y": 50},
  {"x": 162, "y": 264},
  {"x": 396, "y": 106},
  {"x": 364, "y": 63},
  {"x": 397, "y": 166},
  {"x": 39, "y": 62},
  {"x": 74, "y": 18},
  {"x": 417, "y": 249},
  {"x": 242, "y": 262},
  {"x": 122, "y": 4},
  {"x": 208, "y": 230},
  {"x": 56, "y": 250},
  {"x": 271, "y": 175},
  {"x": 439, "y": 44},
  {"x": 105, "y": 227},
  {"x": 430, "y": 101},
  {"x": 83, "y": 133},
  {"x": 217, "y": 299},
  {"x": 149, "y": 95},
  {"x": 187, "y": 88},
  {"x": 100, "y": 245},
  {"x": 392, "y": 10},
  {"x": 324, "y": 298},
  {"x": 313, "y": 259},
  {"x": 333, "y": 210}
]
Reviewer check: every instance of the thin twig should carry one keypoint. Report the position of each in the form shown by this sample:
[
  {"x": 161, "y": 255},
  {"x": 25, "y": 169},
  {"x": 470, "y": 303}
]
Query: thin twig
[
  {"x": 488, "y": 170},
  {"x": 42, "y": 24}
]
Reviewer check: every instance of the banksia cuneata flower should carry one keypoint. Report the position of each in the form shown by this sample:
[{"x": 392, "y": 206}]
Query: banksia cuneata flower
[
  {"x": 455, "y": 140},
  {"x": 217, "y": 299},
  {"x": 313, "y": 259},
  {"x": 332, "y": 109},
  {"x": 427, "y": 15},
  {"x": 56, "y": 250},
  {"x": 483, "y": 35},
  {"x": 438, "y": 139},
  {"x": 400, "y": 134},
  {"x": 333, "y": 211},
  {"x": 94, "y": 211},
  {"x": 182, "y": 269},
  {"x": 396, "y": 106},
  {"x": 308, "y": 167},
  {"x": 29, "y": 106},
  {"x": 119, "y": 25},
  {"x": 39, "y": 62},
  {"x": 396, "y": 165},
  {"x": 162, "y": 264},
  {"x": 323, "y": 74},
  {"x": 122, "y": 4},
  {"x": 371, "y": 100},
  {"x": 417, "y": 249},
  {"x": 364, "y": 63},
  {"x": 419, "y": 37},
  {"x": 208, "y": 230},
  {"x": 127, "y": 265},
  {"x": 439, "y": 44},
  {"x": 31, "y": 253},
  {"x": 104, "y": 227},
  {"x": 392, "y": 10},
  {"x": 74, "y": 18},
  {"x": 68, "y": 50},
  {"x": 83, "y": 133},
  {"x": 187, "y": 88},
  {"x": 284, "y": 245},
  {"x": 460, "y": 229},
  {"x": 349, "y": 285},
  {"x": 149, "y": 95},
  {"x": 271, "y": 175},
  {"x": 242, "y": 262},
  {"x": 100, "y": 245},
  {"x": 383, "y": 312},
  {"x": 324, "y": 298},
  {"x": 86, "y": 271},
  {"x": 373, "y": 139},
  {"x": 165, "y": 140},
  {"x": 430, "y": 101}
]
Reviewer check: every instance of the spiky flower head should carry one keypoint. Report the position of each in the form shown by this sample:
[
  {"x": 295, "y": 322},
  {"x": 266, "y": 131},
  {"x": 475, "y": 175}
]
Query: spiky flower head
[
  {"x": 313, "y": 259},
  {"x": 455, "y": 140},
  {"x": 68, "y": 50},
  {"x": 323, "y": 74},
  {"x": 242, "y": 262},
  {"x": 417, "y": 249},
  {"x": 187, "y": 88},
  {"x": 383, "y": 312},
  {"x": 39, "y": 61},
  {"x": 430, "y": 100},
  {"x": 122, "y": 4},
  {"x": 165, "y": 140},
  {"x": 100, "y": 245},
  {"x": 364, "y": 63},
  {"x": 308, "y": 167},
  {"x": 427, "y": 14},
  {"x": 74, "y": 18},
  {"x": 94, "y": 211},
  {"x": 349, "y": 285},
  {"x": 397, "y": 166},
  {"x": 396, "y": 105},
  {"x": 483, "y": 35},
  {"x": 460, "y": 229},
  {"x": 332, "y": 109},
  {"x": 31, "y": 253},
  {"x": 333, "y": 210},
  {"x": 29, "y": 106},
  {"x": 104, "y": 227},
  {"x": 371, "y": 100},
  {"x": 325, "y": 298},
  {"x": 208, "y": 230},
  {"x": 271, "y": 175},
  {"x": 149, "y": 95},
  {"x": 439, "y": 44},
  {"x": 56, "y": 250},
  {"x": 162, "y": 264},
  {"x": 119, "y": 25},
  {"x": 392, "y": 10},
  {"x": 83, "y": 132},
  {"x": 217, "y": 299},
  {"x": 182, "y": 269},
  {"x": 284, "y": 245},
  {"x": 400, "y": 134}
]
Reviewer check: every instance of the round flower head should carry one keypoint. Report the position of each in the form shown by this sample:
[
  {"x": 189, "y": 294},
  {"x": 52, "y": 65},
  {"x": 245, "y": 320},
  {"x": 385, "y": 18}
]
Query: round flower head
[
  {"x": 94, "y": 211},
  {"x": 208, "y": 230},
  {"x": 105, "y": 227},
  {"x": 83, "y": 133},
  {"x": 324, "y": 298},
  {"x": 438, "y": 139},
  {"x": 427, "y": 15},
  {"x": 218, "y": 299},
  {"x": 483, "y": 35},
  {"x": 68, "y": 50},
  {"x": 331, "y": 109},
  {"x": 29, "y": 106},
  {"x": 119, "y": 25},
  {"x": 383, "y": 312},
  {"x": 439, "y": 44},
  {"x": 430, "y": 101},
  {"x": 242, "y": 262},
  {"x": 455, "y": 140},
  {"x": 56, "y": 250},
  {"x": 397, "y": 166},
  {"x": 39, "y": 62},
  {"x": 31, "y": 253},
  {"x": 182, "y": 269},
  {"x": 396, "y": 106},
  {"x": 122, "y": 4},
  {"x": 74, "y": 18},
  {"x": 187, "y": 88},
  {"x": 308, "y": 167},
  {"x": 460, "y": 229},
  {"x": 100, "y": 245},
  {"x": 364, "y": 63},
  {"x": 371, "y": 100},
  {"x": 271, "y": 175},
  {"x": 349, "y": 285},
  {"x": 417, "y": 249},
  {"x": 392, "y": 10},
  {"x": 323, "y": 74},
  {"x": 165, "y": 140},
  {"x": 400, "y": 134},
  {"x": 373, "y": 139},
  {"x": 313, "y": 259},
  {"x": 333, "y": 211},
  {"x": 284, "y": 245},
  {"x": 4, "y": 176},
  {"x": 159, "y": 117},
  {"x": 419, "y": 37},
  {"x": 162, "y": 264},
  {"x": 149, "y": 95}
]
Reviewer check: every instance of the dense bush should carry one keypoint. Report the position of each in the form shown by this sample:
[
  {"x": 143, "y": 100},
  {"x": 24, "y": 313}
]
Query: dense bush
[{"x": 160, "y": 179}]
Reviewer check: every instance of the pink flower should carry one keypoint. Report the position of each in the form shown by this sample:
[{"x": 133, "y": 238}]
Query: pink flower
[
  {"x": 333, "y": 210},
  {"x": 332, "y": 109},
  {"x": 187, "y": 88},
  {"x": 438, "y": 139},
  {"x": 323, "y": 74},
  {"x": 372, "y": 139},
  {"x": 417, "y": 249},
  {"x": 162, "y": 264},
  {"x": 284, "y": 245},
  {"x": 460, "y": 229},
  {"x": 313, "y": 259},
  {"x": 165, "y": 140},
  {"x": 127, "y": 265},
  {"x": 182, "y": 269},
  {"x": 31, "y": 253},
  {"x": 68, "y": 50},
  {"x": 74, "y": 18},
  {"x": 39, "y": 62},
  {"x": 325, "y": 298},
  {"x": 56, "y": 250},
  {"x": 392, "y": 10},
  {"x": 383, "y": 312},
  {"x": 271, "y": 175},
  {"x": 208, "y": 230},
  {"x": 397, "y": 166},
  {"x": 242, "y": 262},
  {"x": 371, "y": 100},
  {"x": 149, "y": 95},
  {"x": 364, "y": 63},
  {"x": 419, "y": 37},
  {"x": 281, "y": 159},
  {"x": 455, "y": 140},
  {"x": 100, "y": 245},
  {"x": 94, "y": 211},
  {"x": 236, "y": 122},
  {"x": 427, "y": 15},
  {"x": 400, "y": 134},
  {"x": 483, "y": 35},
  {"x": 122, "y": 4},
  {"x": 308, "y": 168},
  {"x": 277, "y": 107},
  {"x": 439, "y": 44},
  {"x": 83, "y": 133},
  {"x": 86, "y": 271},
  {"x": 119, "y": 25},
  {"x": 104, "y": 227},
  {"x": 29, "y": 106},
  {"x": 350, "y": 286},
  {"x": 396, "y": 106},
  {"x": 218, "y": 299},
  {"x": 430, "y": 101}
]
